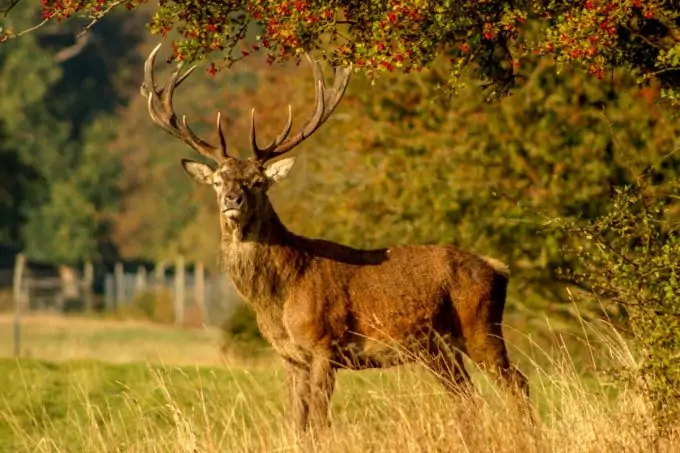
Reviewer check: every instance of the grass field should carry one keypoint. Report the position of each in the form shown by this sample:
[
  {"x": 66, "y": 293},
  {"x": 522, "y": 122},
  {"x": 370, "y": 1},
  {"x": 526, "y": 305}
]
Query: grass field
[
  {"x": 66, "y": 338},
  {"x": 93, "y": 385}
]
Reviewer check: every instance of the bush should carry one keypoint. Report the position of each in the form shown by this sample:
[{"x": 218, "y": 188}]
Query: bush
[
  {"x": 631, "y": 257},
  {"x": 6, "y": 300},
  {"x": 240, "y": 332},
  {"x": 154, "y": 306}
]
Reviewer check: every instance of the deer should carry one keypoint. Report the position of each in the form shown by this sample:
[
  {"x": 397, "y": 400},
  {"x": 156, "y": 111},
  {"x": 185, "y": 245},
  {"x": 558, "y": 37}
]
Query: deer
[{"x": 324, "y": 306}]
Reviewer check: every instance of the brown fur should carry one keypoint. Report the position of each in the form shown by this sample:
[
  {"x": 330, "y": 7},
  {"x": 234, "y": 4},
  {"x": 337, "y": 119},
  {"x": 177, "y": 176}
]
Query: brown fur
[{"x": 324, "y": 306}]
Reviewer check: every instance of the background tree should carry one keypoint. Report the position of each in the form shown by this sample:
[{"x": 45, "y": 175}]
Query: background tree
[
  {"x": 26, "y": 128},
  {"x": 560, "y": 145},
  {"x": 56, "y": 94},
  {"x": 419, "y": 170}
]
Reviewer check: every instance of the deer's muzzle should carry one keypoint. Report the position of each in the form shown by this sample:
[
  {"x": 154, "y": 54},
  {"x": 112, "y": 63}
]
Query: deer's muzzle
[{"x": 232, "y": 205}]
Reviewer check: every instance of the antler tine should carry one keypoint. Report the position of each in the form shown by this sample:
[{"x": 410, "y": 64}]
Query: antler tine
[
  {"x": 162, "y": 112},
  {"x": 220, "y": 133},
  {"x": 149, "y": 86},
  {"x": 169, "y": 88},
  {"x": 261, "y": 153},
  {"x": 315, "y": 121},
  {"x": 339, "y": 87},
  {"x": 286, "y": 129},
  {"x": 149, "y": 76},
  {"x": 185, "y": 75},
  {"x": 325, "y": 104}
]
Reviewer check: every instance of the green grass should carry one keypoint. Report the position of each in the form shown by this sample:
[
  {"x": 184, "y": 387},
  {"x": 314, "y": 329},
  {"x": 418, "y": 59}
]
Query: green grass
[
  {"x": 76, "y": 400},
  {"x": 58, "y": 338},
  {"x": 95, "y": 407},
  {"x": 186, "y": 400},
  {"x": 71, "y": 401}
]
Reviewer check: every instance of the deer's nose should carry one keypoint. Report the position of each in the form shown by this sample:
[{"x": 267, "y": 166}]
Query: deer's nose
[{"x": 235, "y": 201}]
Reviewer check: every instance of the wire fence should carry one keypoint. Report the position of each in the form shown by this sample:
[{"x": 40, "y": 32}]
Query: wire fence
[{"x": 191, "y": 294}]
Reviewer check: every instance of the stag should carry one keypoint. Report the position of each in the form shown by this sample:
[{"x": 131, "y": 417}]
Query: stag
[{"x": 324, "y": 306}]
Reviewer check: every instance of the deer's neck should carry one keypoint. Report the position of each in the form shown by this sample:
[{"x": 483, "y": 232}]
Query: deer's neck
[{"x": 261, "y": 260}]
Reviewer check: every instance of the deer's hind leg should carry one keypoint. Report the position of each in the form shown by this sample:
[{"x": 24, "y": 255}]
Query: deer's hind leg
[
  {"x": 487, "y": 349},
  {"x": 483, "y": 337},
  {"x": 449, "y": 369},
  {"x": 485, "y": 345}
]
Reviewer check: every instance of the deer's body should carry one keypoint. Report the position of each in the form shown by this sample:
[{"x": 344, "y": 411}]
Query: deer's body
[
  {"x": 325, "y": 306},
  {"x": 314, "y": 296}
]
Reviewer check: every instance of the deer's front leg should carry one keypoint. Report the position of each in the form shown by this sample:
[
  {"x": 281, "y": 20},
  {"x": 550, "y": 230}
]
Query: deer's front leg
[
  {"x": 298, "y": 379},
  {"x": 322, "y": 385}
]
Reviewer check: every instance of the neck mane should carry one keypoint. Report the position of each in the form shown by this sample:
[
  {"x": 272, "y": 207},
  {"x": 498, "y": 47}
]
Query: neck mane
[{"x": 260, "y": 258}]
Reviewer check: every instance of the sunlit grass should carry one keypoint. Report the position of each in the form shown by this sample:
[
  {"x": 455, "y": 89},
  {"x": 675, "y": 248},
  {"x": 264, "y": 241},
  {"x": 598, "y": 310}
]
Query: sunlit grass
[
  {"x": 86, "y": 405},
  {"x": 58, "y": 338}
]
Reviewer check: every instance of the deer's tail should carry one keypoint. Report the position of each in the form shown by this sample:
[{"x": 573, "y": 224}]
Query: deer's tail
[{"x": 500, "y": 267}]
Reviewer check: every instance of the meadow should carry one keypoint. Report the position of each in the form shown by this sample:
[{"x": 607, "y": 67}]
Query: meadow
[{"x": 131, "y": 386}]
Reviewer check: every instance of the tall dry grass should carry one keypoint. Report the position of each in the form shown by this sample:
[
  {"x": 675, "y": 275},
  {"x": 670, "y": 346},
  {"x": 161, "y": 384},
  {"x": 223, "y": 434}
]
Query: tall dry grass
[{"x": 402, "y": 409}]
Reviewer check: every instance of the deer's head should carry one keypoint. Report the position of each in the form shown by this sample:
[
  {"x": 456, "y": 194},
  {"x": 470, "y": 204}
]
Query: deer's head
[{"x": 241, "y": 185}]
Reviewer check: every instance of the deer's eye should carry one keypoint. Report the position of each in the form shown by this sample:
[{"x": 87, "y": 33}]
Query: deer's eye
[
  {"x": 258, "y": 184},
  {"x": 217, "y": 183}
]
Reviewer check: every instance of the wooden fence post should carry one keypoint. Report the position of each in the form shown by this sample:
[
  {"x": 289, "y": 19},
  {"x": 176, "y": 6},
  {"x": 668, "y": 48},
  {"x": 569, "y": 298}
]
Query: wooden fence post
[
  {"x": 140, "y": 280},
  {"x": 109, "y": 292},
  {"x": 19, "y": 267},
  {"x": 199, "y": 289},
  {"x": 88, "y": 286},
  {"x": 179, "y": 291},
  {"x": 119, "y": 275},
  {"x": 159, "y": 277}
]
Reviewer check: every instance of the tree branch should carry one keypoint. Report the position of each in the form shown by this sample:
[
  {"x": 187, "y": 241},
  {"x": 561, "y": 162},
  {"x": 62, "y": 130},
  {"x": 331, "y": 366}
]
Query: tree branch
[
  {"x": 73, "y": 50},
  {"x": 33, "y": 28},
  {"x": 13, "y": 3},
  {"x": 99, "y": 16},
  {"x": 663, "y": 42}
]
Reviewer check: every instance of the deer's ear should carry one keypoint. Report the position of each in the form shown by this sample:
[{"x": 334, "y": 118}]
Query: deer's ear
[
  {"x": 199, "y": 172},
  {"x": 279, "y": 169}
]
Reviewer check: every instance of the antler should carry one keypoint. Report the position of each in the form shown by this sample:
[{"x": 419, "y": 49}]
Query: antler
[
  {"x": 326, "y": 102},
  {"x": 162, "y": 112}
]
